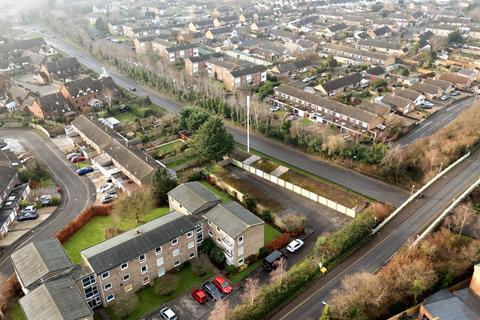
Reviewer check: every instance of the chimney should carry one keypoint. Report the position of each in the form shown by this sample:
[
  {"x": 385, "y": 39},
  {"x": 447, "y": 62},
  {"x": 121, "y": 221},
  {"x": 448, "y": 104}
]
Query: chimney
[{"x": 475, "y": 283}]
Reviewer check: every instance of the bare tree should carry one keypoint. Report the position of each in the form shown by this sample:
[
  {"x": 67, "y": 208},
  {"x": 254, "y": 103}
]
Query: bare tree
[
  {"x": 250, "y": 290},
  {"x": 221, "y": 311},
  {"x": 280, "y": 270}
]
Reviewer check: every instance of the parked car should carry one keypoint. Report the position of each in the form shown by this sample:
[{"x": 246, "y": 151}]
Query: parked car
[
  {"x": 72, "y": 155},
  {"x": 295, "y": 245},
  {"x": 271, "y": 261},
  {"x": 212, "y": 291},
  {"x": 168, "y": 314},
  {"x": 30, "y": 215},
  {"x": 58, "y": 189},
  {"x": 199, "y": 295},
  {"x": 292, "y": 117},
  {"x": 427, "y": 104},
  {"x": 133, "y": 89},
  {"x": 29, "y": 209},
  {"x": 45, "y": 199},
  {"x": 222, "y": 285},
  {"x": 77, "y": 159},
  {"x": 454, "y": 93},
  {"x": 84, "y": 171},
  {"x": 108, "y": 198},
  {"x": 444, "y": 97},
  {"x": 107, "y": 186},
  {"x": 274, "y": 108}
]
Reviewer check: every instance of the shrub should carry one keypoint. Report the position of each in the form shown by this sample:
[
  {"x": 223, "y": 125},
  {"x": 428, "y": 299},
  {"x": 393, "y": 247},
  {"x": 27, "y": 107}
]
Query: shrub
[
  {"x": 196, "y": 176},
  {"x": 55, "y": 201},
  {"x": 9, "y": 289},
  {"x": 111, "y": 232},
  {"x": 217, "y": 255},
  {"x": 165, "y": 285},
  {"x": 230, "y": 269},
  {"x": 250, "y": 202},
  {"x": 293, "y": 222},
  {"x": 208, "y": 245},
  {"x": 262, "y": 252},
  {"x": 267, "y": 215},
  {"x": 23, "y": 203},
  {"x": 251, "y": 259}
]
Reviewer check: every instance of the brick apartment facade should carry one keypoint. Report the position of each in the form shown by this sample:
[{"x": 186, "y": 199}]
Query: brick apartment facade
[{"x": 174, "y": 53}]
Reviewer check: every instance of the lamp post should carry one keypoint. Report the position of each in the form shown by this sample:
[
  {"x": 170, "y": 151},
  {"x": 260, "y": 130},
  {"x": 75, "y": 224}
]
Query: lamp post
[
  {"x": 413, "y": 188},
  {"x": 350, "y": 172},
  {"x": 248, "y": 123}
]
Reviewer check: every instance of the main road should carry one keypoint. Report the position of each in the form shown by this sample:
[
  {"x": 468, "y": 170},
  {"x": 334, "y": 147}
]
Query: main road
[
  {"x": 409, "y": 222},
  {"x": 77, "y": 192},
  {"x": 352, "y": 180}
]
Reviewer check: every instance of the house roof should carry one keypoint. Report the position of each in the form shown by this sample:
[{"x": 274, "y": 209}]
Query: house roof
[
  {"x": 7, "y": 175},
  {"x": 232, "y": 218},
  {"x": 337, "y": 27},
  {"x": 467, "y": 73},
  {"x": 380, "y": 44},
  {"x": 381, "y": 31},
  {"x": 218, "y": 31},
  {"x": 296, "y": 65},
  {"x": 57, "y": 299},
  {"x": 451, "y": 308},
  {"x": 81, "y": 86},
  {"x": 342, "y": 82},
  {"x": 54, "y": 103},
  {"x": 358, "y": 52},
  {"x": 395, "y": 101},
  {"x": 425, "y": 88},
  {"x": 375, "y": 71},
  {"x": 376, "y": 108},
  {"x": 444, "y": 85},
  {"x": 131, "y": 244},
  {"x": 238, "y": 72},
  {"x": 454, "y": 78},
  {"x": 37, "y": 259},
  {"x": 411, "y": 95},
  {"x": 317, "y": 100},
  {"x": 63, "y": 67},
  {"x": 193, "y": 195}
]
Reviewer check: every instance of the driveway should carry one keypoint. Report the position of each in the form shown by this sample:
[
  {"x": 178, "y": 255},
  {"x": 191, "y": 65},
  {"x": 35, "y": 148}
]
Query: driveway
[{"x": 77, "y": 192}]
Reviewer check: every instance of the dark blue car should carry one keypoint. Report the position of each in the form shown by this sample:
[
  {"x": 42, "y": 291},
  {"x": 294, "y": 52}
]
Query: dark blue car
[{"x": 84, "y": 171}]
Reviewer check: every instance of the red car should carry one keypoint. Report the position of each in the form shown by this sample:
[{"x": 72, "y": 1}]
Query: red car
[
  {"x": 222, "y": 285},
  {"x": 78, "y": 159},
  {"x": 199, "y": 295}
]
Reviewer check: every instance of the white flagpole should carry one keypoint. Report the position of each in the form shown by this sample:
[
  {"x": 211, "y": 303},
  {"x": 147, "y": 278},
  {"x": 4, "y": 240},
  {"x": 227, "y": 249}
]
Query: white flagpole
[{"x": 248, "y": 123}]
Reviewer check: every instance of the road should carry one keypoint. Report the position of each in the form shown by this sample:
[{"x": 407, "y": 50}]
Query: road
[
  {"x": 437, "y": 121},
  {"x": 77, "y": 192},
  {"x": 357, "y": 182},
  {"x": 370, "y": 257}
]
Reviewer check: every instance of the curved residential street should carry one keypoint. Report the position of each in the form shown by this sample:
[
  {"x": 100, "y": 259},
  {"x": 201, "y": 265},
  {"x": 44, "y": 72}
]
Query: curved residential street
[{"x": 77, "y": 192}]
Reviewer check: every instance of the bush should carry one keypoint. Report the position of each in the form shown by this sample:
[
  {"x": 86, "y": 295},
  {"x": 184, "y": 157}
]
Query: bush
[
  {"x": 165, "y": 285},
  {"x": 23, "y": 203},
  {"x": 196, "y": 176},
  {"x": 230, "y": 269},
  {"x": 267, "y": 215},
  {"x": 217, "y": 255},
  {"x": 262, "y": 252},
  {"x": 293, "y": 222},
  {"x": 251, "y": 259},
  {"x": 55, "y": 201},
  {"x": 250, "y": 202},
  {"x": 111, "y": 232},
  {"x": 208, "y": 245}
]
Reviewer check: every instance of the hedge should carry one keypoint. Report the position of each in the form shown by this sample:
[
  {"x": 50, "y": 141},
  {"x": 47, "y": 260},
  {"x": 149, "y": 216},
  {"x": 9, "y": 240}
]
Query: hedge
[
  {"x": 10, "y": 289},
  {"x": 82, "y": 219}
]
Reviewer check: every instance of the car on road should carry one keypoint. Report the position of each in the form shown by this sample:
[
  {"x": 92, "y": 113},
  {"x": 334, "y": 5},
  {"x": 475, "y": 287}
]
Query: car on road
[
  {"x": 107, "y": 186},
  {"x": 168, "y": 314},
  {"x": 212, "y": 291},
  {"x": 108, "y": 198},
  {"x": 77, "y": 159},
  {"x": 222, "y": 285},
  {"x": 199, "y": 295},
  {"x": 72, "y": 155},
  {"x": 84, "y": 171},
  {"x": 133, "y": 89},
  {"x": 444, "y": 97},
  {"x": 295, "y": 245}
]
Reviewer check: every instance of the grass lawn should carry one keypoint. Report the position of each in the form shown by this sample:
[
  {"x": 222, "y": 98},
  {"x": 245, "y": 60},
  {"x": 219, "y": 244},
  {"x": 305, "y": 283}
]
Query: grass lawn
[
  {"x": 94, "y": 232},
  {"x": 168, "y": 147},
  {"x": 270, "y": 233},
  {"x": 181, "y": 161},
  {"x": 222, "y": 195},
  {"x": 236, "y": 278},
  {"x": 148, "y": 301},
  {"x": 126, "y": 117},
  {"x": 83, "y": 164},
  {"x": 265, "y": 165},
  {"x": 15, "y": 312},
  {"x": 305, "y": 122}
]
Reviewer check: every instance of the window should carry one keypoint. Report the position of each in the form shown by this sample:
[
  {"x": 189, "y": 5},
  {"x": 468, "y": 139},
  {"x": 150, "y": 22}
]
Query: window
[
  {"x": 145, "y": 280},
  {"x": 158, "y": 250},
  {"x": 144, "y": 269},
  {"x": 161, "y": 272},
  {"x": 174, "y": 241},
  {"x": 176, "y": 252},
  {"x": 210, "y": 233},
  {"x": 124, "y": 266},
  {"x": 128, "y": 287},
  {"x": 192, "y": 255},
  {"x": 218, "y": 229},
  {"x": 191, "y": 245},
  {"x": 189, "y": 234},
  {"x": 240, "y": 261},
  {"x": 142, "y": 258},
  {"x": 240, "y": 240},
  {"x": 88, "y": 281},
  {"x": 177, "y": 263},
  {"x": 105, "y": 275},
  {"x": 209, "y": 222},
  {"x": 107, "y": 287},
  {"x": 218, "y": 240},
  {"x": 126, "y": 277},
  {"x": 110, "y": 297},
  {"x": 160, "y": 261}
]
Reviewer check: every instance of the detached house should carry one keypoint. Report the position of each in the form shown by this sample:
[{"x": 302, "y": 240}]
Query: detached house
[
  {"x": 399, "y": 104},
  {"x": 429, "y": 91},
  {"x": 79, "y": 93},
  {"x": 60, "y": 70},
  {"x": 446, "y": 86},
  {"x": 379, "y": 32},
  {"x": 236, "y": 74},
  {"x": 416, "y": 97}
]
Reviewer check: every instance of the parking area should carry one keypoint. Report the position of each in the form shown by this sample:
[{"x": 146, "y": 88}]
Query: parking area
[{"x": 28, "y": 81}]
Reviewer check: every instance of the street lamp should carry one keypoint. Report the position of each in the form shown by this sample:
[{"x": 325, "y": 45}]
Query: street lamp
[
  {"x": 413, "y": 188},
  {"x": 350, "y": 172}
]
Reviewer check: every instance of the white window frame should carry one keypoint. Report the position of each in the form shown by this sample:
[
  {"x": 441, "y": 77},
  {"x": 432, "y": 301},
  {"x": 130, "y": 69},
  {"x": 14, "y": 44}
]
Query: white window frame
[
  {"x": 189, "y": 234},
  {"x": 105, "y": 275},
  {"x": 240, "y": 261},
  {"x": 126, "y": 275},
  {"x": 145, "y": 282},
  {"x": 109, "y": 285},
  {"x": 161, "y": 272},
  {"x": 110, "y": 297},
  {"x": 241, "y": 239},
  {"x": 191, "y": 255},
  {"x": 174, "y": 242},
  {"x": 121, "y": 266},
  {"x": 158, "y": 250},
  {"x": 144, "y": 267},
  {"x": 144, "y": 258},
  {"x": 176, "y": 263},
  {"x": 191, "y": 245},
  {"x": 175, "y": 252}
]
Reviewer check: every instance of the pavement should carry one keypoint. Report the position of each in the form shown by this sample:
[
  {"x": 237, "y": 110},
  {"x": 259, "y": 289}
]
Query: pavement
[
  {"x": 357, "y": 182},
  {"x": 435, "y": 122},
  {"x": 411, "y": 221},
  {"x": 77, "y": 192}
]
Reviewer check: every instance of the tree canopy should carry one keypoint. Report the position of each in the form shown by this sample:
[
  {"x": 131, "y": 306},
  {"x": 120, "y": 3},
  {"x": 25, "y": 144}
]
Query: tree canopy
[
  {"x": 192, "y": 118},
  {"x": 212, "y": 140},
  {"x": 161, "y": 185}
]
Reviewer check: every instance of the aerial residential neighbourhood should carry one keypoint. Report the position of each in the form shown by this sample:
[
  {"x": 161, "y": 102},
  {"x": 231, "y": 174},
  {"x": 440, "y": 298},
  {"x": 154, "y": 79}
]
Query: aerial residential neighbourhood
[{"x": 239, "y": 160}]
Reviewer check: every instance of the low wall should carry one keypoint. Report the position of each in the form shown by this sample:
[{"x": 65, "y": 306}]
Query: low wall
[{"x": 303, "y": 192}]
